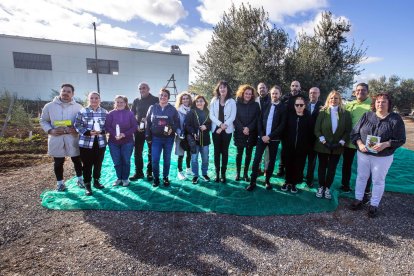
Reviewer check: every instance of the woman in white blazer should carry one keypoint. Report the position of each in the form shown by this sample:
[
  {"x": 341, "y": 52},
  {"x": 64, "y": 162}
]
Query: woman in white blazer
[{"x": 222, "y": 115}]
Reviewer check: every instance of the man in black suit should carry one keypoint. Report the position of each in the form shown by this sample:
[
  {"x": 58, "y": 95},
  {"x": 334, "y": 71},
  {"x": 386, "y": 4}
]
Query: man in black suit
[
  {"x": 270, "y": 127},
  {"x": 313, "y": 106}
]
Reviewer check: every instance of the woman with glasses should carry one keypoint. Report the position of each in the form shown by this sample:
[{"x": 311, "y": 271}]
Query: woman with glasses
[
  {"x": 298, "y": 142},
  {"x": 332, "y": 128},
  {"x": 162, "y": 124},
  {"x": 183, "y": 106},
  {"x": 222, "y": 114},
  {"x": 198, "y": 126},
  {"x": 121, "y": 124}
]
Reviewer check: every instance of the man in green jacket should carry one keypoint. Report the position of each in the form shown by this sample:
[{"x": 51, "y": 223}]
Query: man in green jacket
[{"x": 356, "y": 108}]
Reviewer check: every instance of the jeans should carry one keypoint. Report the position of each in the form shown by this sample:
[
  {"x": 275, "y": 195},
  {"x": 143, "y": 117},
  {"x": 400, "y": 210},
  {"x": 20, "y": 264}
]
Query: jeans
[
  {"x": 203, "y": 150},
  {"x": 121, "y": 156},
  {"x": 165, "y": 145},
  {"x": 260, "y": 148}
]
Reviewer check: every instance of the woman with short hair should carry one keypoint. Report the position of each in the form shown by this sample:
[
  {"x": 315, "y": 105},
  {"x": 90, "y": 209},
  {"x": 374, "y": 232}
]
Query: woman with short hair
[
  {"x": 90, "y": 124},
  {"x": 377, "y": 135},
  {"x": 121, "y": 124}
]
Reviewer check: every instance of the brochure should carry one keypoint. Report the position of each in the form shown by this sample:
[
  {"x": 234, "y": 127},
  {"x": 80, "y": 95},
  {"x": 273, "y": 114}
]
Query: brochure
[{"x": 371, "y": 142}]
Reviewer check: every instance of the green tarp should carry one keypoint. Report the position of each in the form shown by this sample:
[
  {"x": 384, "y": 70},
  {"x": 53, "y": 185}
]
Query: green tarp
[{"x": 229, "y": 198}]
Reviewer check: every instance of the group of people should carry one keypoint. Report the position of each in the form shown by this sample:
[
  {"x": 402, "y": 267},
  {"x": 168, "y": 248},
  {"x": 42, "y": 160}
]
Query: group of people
[{"x": 306, "y": 129}]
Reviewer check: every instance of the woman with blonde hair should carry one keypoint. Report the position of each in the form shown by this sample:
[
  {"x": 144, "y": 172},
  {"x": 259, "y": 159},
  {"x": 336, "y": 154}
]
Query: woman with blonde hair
[
  {"x": 121, "y": 124},
  {"x": 183, "y": 106},
  {"x": 332, "y": 128},
  {"x": 245, "y": 127}
]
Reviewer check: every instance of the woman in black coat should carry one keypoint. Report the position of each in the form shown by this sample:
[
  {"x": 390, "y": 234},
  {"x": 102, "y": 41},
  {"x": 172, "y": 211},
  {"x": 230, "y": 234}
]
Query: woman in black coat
[
  {"x": 298, "y": 142},
  {"x": 245, "y": 134}
]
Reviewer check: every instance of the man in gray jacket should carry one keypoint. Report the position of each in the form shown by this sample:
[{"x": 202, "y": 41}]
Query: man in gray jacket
[{"x": 57, "y": 121}]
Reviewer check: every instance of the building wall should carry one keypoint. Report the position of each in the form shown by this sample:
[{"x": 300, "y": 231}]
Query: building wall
[{"x": 69, "y": 66}]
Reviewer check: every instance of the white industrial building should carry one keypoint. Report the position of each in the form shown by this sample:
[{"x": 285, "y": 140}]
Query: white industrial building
[{"x": 32, "y": 68}]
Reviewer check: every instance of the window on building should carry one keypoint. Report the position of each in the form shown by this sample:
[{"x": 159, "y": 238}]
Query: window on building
[
  {"x": 32, "y": 61},
  {"x": 105, "y": 66}
]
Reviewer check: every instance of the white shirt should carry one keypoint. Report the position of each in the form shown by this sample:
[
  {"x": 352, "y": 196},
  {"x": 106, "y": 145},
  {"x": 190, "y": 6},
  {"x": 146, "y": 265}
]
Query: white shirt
[
  {"x": 334, "y": 118},
  {"x": 270, "y": 118}
]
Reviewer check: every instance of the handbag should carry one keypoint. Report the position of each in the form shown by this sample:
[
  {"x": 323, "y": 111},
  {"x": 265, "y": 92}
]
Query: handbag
[{"x": 184, "y": 144}]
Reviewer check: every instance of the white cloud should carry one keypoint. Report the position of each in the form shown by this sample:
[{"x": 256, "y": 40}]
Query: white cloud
[
  {"x": 369, "y": 60},
  {"x": 178, "y": 33},
  {"x": 365, "y": 78},
  {"x": 308, "y": 27},
  {"x": 212, "y": 10}
]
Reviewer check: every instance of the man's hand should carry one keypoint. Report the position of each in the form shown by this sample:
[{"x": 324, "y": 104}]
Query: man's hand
[{"x": 265, "y": 139}]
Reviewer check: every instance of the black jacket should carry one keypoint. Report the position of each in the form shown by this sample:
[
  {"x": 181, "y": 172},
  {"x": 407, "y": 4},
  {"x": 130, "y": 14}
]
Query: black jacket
[
  {"x": 264, "y": 101},
  {"x": 247, "y": 116},
  {"x": 278, "y": 123},
  {"x": 299, "y": 135},
  {"x": 192, "y": 126},
  {"x": 140, "y": 106}
]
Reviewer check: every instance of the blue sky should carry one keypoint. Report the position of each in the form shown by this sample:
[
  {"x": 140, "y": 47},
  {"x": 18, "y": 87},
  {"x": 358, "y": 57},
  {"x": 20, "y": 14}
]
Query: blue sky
[{"x": 384, "y": 27}]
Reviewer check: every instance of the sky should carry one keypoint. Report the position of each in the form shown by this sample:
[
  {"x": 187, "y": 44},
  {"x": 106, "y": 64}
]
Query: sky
[{"x": 384, "y": 27}]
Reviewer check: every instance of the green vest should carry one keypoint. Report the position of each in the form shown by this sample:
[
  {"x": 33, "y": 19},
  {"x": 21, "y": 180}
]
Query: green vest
[{"x": 357, "y": 109}]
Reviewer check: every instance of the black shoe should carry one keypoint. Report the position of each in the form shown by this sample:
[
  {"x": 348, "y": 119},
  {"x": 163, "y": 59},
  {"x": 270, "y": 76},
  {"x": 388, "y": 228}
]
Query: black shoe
[
  {"x": 97, "y": 185},
  {"x": 136, "y": 176},
  {"x": 251, "y": 187},
  {"x": 280, "y": 173},
  {"x": 237, "y": 178},
  {"x": 156, "y": 182},
  {"x": 217, "y": 179},
  {"x": 356, "y": 205},
  {"x": 285, "y": 187},
  {"x": 267, "y": 185},
  {"x": 88, "y": 190},
  {"x": 195, "y": 180},
  {"x": 293, "y": 190},
  {"x": 345, "y": 189},
  {"x": 309, "y": 183},
  {"x": 206, "y": 178},
  {"x": 150, "y": 177},
  {"x": 372, "y": 211},
  {"x": 166, "y": 181}
]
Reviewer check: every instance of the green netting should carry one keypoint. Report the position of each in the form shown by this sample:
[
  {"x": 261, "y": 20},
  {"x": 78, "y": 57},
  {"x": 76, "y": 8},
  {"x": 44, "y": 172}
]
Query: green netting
[{"x": 229, "y": 198}]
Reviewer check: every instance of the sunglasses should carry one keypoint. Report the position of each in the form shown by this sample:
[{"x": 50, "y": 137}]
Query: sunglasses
[{"x": 299, "y": 105}]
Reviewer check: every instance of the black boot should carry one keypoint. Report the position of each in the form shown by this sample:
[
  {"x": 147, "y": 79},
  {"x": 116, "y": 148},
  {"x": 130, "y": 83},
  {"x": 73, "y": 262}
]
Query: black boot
[
  {"x": 217, "y": 179},
  {"x": 237, "y": 175},
  {"x": 246, "y": 176},
  {"x": 97, "y": 185},
  {"x": 223, "y": 176},
  {"x": 88, "y": 190}
]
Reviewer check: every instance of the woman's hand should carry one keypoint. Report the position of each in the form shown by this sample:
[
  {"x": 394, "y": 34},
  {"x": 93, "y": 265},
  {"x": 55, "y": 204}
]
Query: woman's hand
[
  {"x": 381, "y": 146},
  {"x": 246, "y": 131},
  {"x": 120, "y": 136},
  {"x": 203, "y": 127},
  {"x": 361, "y": 146}
]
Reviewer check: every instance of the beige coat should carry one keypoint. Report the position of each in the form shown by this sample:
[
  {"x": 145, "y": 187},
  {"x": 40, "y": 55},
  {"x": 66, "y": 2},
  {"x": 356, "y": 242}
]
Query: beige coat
[{"x": 62, "y": 145}]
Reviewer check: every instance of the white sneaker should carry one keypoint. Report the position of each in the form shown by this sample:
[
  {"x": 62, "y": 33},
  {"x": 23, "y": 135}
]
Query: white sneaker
[
  {"x": 117, "y": 183},
  {"x": 319, "y": 193},
  {"x": 80, "y": 183},
  {"x": 328, "y": 194},
  {"x": 125, "y": 183},
  {"x": 60, "y": 187},
  {"x": 181, "y": 176},
  {"x": 188, "y": 171}
]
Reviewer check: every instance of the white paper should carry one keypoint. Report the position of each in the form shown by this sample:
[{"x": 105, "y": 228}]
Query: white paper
[
  {"x": 371, "y": 142},
  {"x": 96, "y": 126},
  {"x": 118, "y": 130}
]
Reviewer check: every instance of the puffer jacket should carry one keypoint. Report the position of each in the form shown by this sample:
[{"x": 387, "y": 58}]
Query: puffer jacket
[{"x": 56, "y": 110}]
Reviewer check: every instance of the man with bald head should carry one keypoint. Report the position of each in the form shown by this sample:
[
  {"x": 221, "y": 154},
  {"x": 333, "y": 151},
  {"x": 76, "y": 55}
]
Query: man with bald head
[
  {"x": 313, "y": 106},
  {"x": 289, "y": 101},
  {"x": 140, "y": 108},
  {"x": 264, "y": 101}
]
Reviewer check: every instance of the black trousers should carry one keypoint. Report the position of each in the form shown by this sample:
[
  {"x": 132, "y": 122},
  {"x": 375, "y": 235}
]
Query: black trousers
[
  {"x": 139, "y": 147},
  {"x": 58, "y": 166},
  {"x": 260, "y": 148},
  {"x": 311, "y": 165},
  {"x": 239, "y": 157},
  {"x": 282, "y": 157},
  {"x": 221, "y": 149},
  {"x": 92, "y": 159},
  {"x": 187, "y": 161},
  {"x": 295, "y": 163},
  {"x": 347, "y": 160},
  {"x": 327, "y": 168}
]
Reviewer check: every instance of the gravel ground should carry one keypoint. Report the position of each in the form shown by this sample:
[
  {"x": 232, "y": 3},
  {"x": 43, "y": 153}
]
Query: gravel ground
[
  {"x": 35, "y": 240},
  {"x": 38, "y": 241}
]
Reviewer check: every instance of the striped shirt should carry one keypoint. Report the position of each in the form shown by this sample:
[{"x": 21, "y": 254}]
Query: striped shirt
[{"x": 84, "y": 123}]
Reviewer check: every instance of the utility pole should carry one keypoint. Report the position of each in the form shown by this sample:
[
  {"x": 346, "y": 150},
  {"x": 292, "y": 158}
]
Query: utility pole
[{"x": 96, "y": 58}]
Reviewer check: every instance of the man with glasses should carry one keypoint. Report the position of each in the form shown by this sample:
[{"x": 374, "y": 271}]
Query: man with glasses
[
  {"x": 289, "y": 100},
  {"x": 140, "y": 108},
  {"x": 313, "y": 106},
  {"x": 357, "y": 108}
]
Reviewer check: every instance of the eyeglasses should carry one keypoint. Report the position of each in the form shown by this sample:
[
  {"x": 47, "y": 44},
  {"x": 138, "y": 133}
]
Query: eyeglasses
[{"x": 299, "y": 105}]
